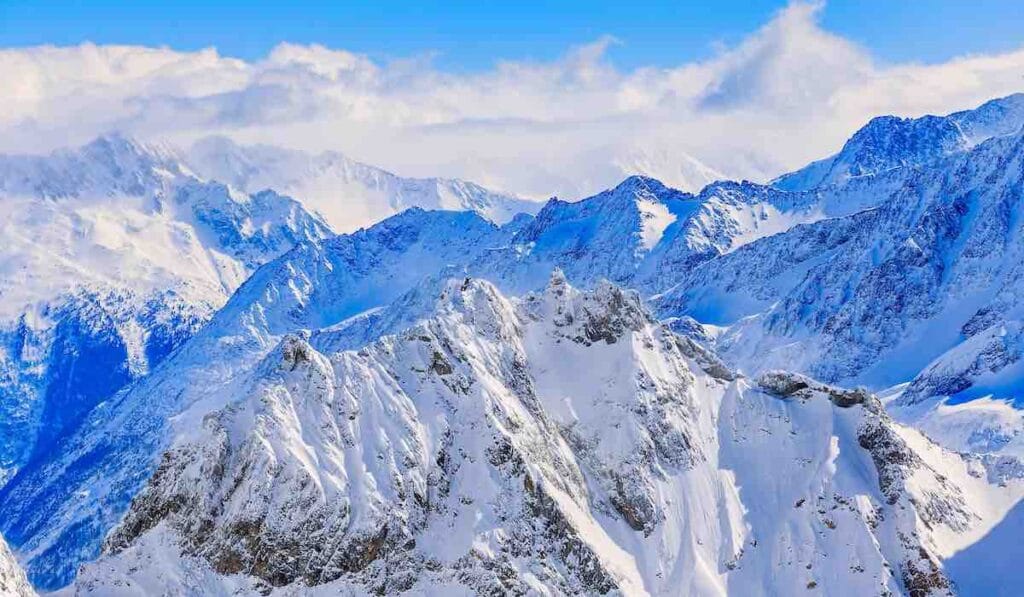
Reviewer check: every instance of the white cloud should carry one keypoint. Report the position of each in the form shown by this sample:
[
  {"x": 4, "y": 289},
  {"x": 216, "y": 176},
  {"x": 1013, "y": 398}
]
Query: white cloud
[{"x": 791, "y": 92}]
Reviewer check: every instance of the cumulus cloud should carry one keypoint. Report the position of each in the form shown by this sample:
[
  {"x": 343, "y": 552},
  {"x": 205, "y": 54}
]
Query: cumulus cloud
[{"x": 789, "y": 93}]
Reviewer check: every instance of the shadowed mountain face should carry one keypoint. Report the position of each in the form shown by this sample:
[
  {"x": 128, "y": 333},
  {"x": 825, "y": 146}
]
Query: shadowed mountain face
[{"x": 988, "y": 566}]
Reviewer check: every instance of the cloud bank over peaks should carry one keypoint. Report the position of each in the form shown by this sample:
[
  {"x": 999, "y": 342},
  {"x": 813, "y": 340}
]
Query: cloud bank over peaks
[{"x": 789, "y": 93}]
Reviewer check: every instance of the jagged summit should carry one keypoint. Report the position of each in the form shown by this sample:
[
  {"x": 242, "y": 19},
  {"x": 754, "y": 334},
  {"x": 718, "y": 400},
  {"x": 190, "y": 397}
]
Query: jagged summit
[
  {"x": 116, "y": 143},
  {"x": 641, "y": 183},
  {"x": 110, "y": 165}
]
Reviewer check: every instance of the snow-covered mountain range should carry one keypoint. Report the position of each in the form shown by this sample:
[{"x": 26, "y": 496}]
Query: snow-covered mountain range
[
  {"x": 345, "y": 193},
  {"x": 918, "y": 285},
  {"x": 421, "y": 405}
]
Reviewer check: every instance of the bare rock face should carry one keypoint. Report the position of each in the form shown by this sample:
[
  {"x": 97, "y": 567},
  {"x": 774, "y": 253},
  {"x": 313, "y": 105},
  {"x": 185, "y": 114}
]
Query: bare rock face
[{"x": 793, "y": 385}]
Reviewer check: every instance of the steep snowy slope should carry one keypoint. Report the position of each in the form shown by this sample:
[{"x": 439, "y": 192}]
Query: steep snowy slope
[
  {"x": 466, "y": 455},
  {"x": 113, "y": 255},
  {"x": 346, "y": 193},
  {"x": 12, "y": 578},
  {"x": 889, "y": 142}
]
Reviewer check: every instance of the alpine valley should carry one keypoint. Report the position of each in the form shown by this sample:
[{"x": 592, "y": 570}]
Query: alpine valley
[{"x": 810, "y": 386}]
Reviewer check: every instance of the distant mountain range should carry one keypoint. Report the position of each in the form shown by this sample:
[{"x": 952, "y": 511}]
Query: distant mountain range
[{"x": 345, "y": 193}]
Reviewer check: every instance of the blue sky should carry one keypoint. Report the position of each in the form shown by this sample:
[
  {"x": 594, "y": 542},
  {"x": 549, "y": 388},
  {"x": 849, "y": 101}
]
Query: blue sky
[{"x": 469, "y": 36}]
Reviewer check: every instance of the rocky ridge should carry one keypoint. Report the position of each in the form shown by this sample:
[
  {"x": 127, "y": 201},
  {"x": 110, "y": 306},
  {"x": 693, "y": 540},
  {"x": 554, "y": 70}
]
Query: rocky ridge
[{"x": 459, "y": 454}]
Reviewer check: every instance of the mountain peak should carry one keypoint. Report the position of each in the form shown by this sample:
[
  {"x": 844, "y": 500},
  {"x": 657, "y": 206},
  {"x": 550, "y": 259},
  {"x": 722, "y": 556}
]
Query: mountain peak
[
  {"x": 557, "y": 280},
  {"x": 114, "y": 141},
  {"x": 888, "y": 142},
  {"x": 128, "y": 150},
  {"x": 639, "y": 183}
]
